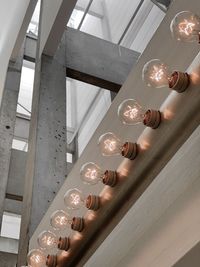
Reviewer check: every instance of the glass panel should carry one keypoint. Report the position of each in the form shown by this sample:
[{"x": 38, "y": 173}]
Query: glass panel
[
  {"x": 33, "y": 26},
  {"x": 20, "y": 145},
  {"x": 26, "y": 89},
  {"x": 10, "y": 225}
]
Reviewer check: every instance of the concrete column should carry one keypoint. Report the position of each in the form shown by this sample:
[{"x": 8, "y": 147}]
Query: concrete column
[
  {"x": 7, "y": 123},
  {"x": 46, "y": 162}
]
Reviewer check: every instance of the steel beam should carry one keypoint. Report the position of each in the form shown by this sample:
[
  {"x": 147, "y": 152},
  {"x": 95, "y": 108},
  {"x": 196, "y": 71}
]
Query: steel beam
[
  {"x": 7, "y": 123},
  {"x": 110, "y": 68}
]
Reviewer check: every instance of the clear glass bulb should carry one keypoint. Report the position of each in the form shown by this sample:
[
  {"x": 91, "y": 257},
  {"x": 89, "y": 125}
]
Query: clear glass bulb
[
  {"x": 130, "y": 112},
  {"x": 60, "y": 220},
  {"x": 74, "y": 199},
  {"x": 91, "y": 173},
  {"x": 156, "y": 74},
  {"x": 36, "y": 258},
  {"x": 185, "y": 27},
  {"x": 110, "y": 144},
  {"x": 47, "y": 240}
]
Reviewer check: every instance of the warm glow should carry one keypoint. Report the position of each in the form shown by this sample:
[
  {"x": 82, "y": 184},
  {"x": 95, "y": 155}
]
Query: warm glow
[
  {"x": 75, "y": 199},
  {"x": 60, "y": 220},
  {"x": 186, "y": 27},
  {"x": 110, "y": 145},
  {"x": 131, "y": 112},
  {"x": 157, "y": 74},
  {"x": 91, "y": 173},
  {"x": 48, "y": 240}
]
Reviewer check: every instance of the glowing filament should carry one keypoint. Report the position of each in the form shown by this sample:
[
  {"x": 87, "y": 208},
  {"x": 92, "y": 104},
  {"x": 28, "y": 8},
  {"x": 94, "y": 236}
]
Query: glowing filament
[
  {"x": 157, "y": 74},
  {"x": 75, "y": 199},
  {"x": 91, "y": 173},
  {"x": 36, "y": 258},
  {"x": 186, "y": 27},
  {"x": 110, "y": 145},
  {"x": 131, "y": 112},
  {"x": 48, "y": 240},
  {"x": 61, "y": 220}
]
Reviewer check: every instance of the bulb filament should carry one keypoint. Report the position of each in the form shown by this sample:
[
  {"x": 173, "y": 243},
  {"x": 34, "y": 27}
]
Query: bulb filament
[
  {"x": 36, "y": 258},
  {"x": 48, "y": 240},
  {"x": 91, "y": 173},
  {"x": 157, "y": 74},
  {"x": 75, "y": 199},
  {"x": 60, "y": 220},
  {"x": 110, "y": 145},
  {"x": 186, "y": 27},
  {"x": 131, "y": 113}
]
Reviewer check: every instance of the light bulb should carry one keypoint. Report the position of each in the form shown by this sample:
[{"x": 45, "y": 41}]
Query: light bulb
[
  {"x": 36, "y": 258},
  {"x": 131, "y": 113},
  {"x": 48, "y": 240},
  {"x": 91, "y": 173},
  {"x": 60, "y": 220},
  {"x": 74, "y": 199},
  {"x": 157, "y": 74},
  {"x": 185, "y": 27},
  {"x": 111, "y": 145}
]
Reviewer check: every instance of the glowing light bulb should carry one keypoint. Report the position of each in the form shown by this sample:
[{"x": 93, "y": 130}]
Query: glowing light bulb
[
  {"x": 91, "y": 174},
  {"x": 47, "y": 240},
  {"x": 111, "y": 145},
  {"x": 131, "y": 113},
  {"x": 185, "y": 27},
  {"x": 157, "y": 74},
  {"x": 36, "y": 258},
  {"x": 60, "y": 220},
  {"x": 74, "y": 199}
]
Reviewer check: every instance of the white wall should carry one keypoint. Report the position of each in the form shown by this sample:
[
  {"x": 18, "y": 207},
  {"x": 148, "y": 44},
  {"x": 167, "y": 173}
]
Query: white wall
[{"x": 12, "y": 13}]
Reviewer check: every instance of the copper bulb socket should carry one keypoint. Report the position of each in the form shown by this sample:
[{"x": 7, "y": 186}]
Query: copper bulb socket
[
  {"x": 77, "y": 224},
  {"x": 179, "y": 81},
  {"x": 93, "y": 202},
  {"x": 110, "y": 178},
  {"x": 152, "y": 118},
  {"x": 51, "y": 261},
  {"x": 129, "y": 150},
  {"x": 64, "y": 243}
]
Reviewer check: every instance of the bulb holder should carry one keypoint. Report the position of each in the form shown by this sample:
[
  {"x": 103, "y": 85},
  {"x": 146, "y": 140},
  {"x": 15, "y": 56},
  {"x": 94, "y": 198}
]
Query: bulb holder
[
  {"x": 152, "y": 118},
  {"x": 64, "y": 243},
  {"x": 129, "y": 150},
  {"x": 92, "y": 202},
  {"x": 179, "y": 81},
  {"x": 110, "y": 178},
  {"x": 77, "y": 224},
  {"x": 51, "y": 261}
]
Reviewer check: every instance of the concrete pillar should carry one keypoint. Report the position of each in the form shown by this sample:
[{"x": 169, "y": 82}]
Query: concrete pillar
[
  {"x": 7, "y": 123},
  {"x": 46, "y": 161}
]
